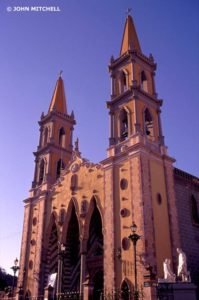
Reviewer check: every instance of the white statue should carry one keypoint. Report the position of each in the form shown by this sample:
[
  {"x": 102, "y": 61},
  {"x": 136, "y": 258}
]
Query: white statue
[
  {"x": 52, "y": 279},
  {"x": 169, "y": 276},
  {"x": 182, "y": 266}
]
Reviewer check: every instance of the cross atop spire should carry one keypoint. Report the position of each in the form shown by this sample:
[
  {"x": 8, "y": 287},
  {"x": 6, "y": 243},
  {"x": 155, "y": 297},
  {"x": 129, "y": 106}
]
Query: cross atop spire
[
  {"x": 58, "y": 101},
  {"x": 128, "y": 12},
  {"x": 130, "y": 39},
  {"x": 60, "y": 73}
]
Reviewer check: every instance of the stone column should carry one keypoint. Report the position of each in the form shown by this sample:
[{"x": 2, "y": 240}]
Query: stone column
[
  {"x": 111, "y": 139},
  {"x": 88, "y": 289},
  {"x": 49, "y": 293},
  {"x": 136, "y": 121},
  {"x": 161, "y": 137},
  {"x": 109, "y": 264},
  {"x": 83, "y": 267},
  {"x": 38, "y": 249}
]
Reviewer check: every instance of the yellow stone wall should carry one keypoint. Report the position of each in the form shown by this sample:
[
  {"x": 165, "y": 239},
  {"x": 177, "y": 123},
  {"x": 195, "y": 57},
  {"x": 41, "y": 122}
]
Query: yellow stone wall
[{"x": 161, "y": 217}]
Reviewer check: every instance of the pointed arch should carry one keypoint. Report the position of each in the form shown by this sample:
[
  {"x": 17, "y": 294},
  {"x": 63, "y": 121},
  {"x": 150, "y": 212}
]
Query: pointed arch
[
  {"x": 124, "y": 123},
  {"x": 41, "y": 171},
  {"x": 51, "y": 248},
  {"x": 74, "y": 182},
  {"x": 45, "y": 137},
  {"x": 144, "y": 82},
  {"x": 53, "y": 220},
  {"x": 60, "y": 166},
  {"x": 27, "y": 295},
  {"x": 148, "y": 124},
  {"x": 72, "y": 204},
  {"x": 71, "y": 261},
  {"x": 126, "y": 290},
  {"x": 94, "y": 202},
  {"x": 62, "y": 137},
  {"x": 94, "y": 248},
  {"x": 124, "y": 80}
]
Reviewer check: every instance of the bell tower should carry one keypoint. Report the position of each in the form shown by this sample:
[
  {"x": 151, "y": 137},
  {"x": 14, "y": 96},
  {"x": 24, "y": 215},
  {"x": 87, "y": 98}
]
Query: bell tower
[
  {"x": 55, "y": 143},
  {"x": 138, "y": 171},
  {"x": 53, "y": 153},
  {"x": 134, "y": 108}
]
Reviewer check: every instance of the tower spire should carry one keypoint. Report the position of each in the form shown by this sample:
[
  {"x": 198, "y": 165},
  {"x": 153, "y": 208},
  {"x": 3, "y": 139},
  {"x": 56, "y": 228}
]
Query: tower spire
[
  {"x": 58, "y": 101},
  {"x": 130, "y": 39}
]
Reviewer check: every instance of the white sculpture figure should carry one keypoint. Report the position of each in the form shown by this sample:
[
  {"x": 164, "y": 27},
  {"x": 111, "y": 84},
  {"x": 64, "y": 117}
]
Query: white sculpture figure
[
  {"x": 169, "y": 276},
  {"x": 182, "y": 266},
  {"x": 52, "y": 279}
]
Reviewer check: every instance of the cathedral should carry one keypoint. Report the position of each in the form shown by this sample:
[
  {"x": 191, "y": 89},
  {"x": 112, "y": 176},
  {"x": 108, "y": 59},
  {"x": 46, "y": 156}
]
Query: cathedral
[{"x": 78, "y": 216}]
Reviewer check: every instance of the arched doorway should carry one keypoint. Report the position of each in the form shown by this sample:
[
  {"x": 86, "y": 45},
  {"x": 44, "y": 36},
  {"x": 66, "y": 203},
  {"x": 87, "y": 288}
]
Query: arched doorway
[
  {"x": 94, "y": 258},
  {"x": 98, "y": 285},
  {"x": 71, "y": 261},
  {"x": 27, "y": 295},
  {"x": 52, "y": 253},
  {"x": 125, "y": 291}
]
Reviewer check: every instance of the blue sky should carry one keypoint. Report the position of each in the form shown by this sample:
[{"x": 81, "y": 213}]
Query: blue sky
[{"x": 79, "y": 40}]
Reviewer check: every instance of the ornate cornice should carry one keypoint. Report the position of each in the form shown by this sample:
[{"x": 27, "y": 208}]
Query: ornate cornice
[
  {"x": 56, "y": 114},
  {"x": 186, "y": 176},
  {"x": 47, "y": 149},
  {"x": 134, "y": 91},
  {"x": 132, "y": 55}
]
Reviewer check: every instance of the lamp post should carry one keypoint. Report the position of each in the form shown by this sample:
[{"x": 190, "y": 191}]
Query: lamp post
[
  {"x": 15, "y": 268},
  {"x": 61, "y": 254},
  {"x": 134, "y": 237}
]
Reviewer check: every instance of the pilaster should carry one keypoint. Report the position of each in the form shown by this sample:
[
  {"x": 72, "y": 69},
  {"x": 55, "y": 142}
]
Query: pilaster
[
  {"x": 109, "y": 231},
  {"x": 23, "y": 255}
]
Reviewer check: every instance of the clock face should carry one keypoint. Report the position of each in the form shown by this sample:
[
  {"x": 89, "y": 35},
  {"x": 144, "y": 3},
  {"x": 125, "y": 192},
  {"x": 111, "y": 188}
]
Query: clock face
[{"x": 74, "y": 168}]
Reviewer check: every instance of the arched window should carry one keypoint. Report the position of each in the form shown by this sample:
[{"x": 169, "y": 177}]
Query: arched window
[
  {"x": 194, "y": 210},
  {"x": 148, "y": 124},
  {"x": 41, "y": 171},
  {"x": 123, "y": 124},
  {"x": 144, "y": 84},
  {"x": 60, "y": 166},
  {"x": 62, "y": 137},
  {"x": 124, "y": 81},
  {"x": 61, "y": 216},
  {"x": 45, "y": 136},
  {"x": 28, "y": 295},
  {"x": 73, "y": 182},
  {"x": 125, "y": 291}
]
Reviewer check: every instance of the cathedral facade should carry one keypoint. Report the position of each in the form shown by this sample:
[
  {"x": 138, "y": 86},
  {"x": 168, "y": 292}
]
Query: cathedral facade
[{"x": 78, "y": 214}]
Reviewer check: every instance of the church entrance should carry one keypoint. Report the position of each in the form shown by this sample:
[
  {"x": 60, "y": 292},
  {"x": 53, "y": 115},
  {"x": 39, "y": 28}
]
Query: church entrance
[
  {"x": 94, "y": 260},
  {"x": 71, "y": 261},
  {"x": 98, "y": 285}
]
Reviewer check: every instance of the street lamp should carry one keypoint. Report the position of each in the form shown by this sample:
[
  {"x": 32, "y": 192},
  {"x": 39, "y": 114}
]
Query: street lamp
[
  {"x": 15, "y": 268},
  {"x": 61, "y": 254},
  {"x": 134, "y": 237}
]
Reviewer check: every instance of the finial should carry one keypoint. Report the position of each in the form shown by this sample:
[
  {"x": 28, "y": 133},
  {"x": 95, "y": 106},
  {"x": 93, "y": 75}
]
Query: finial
[
  {"x": 60, "y": 73},
  {"x": 128, "y": 12},
  {"x": 72, "y": 114},
  {"x": 151, "y": 57},
  {"x": 111, "y": 59},
  {"x": 77, "y": 145}
]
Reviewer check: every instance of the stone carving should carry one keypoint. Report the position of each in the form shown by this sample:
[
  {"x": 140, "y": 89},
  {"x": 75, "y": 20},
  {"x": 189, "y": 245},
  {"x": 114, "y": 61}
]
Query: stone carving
[
  {"x": 169, "y": 276},
  {"x": 182, "y": 266}
]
